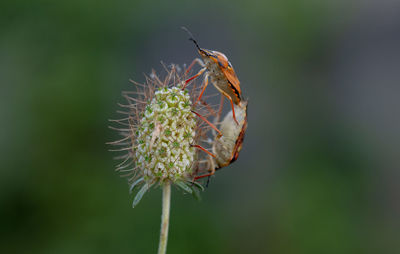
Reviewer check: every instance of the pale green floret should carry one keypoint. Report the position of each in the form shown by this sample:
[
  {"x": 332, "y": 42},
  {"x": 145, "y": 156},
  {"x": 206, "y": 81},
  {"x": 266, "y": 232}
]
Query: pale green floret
[{"x": 166, "y": 131}]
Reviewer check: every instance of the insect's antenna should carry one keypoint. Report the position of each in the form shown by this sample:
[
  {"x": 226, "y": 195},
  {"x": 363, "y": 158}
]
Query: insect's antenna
[{"x": 191, "y": 37}]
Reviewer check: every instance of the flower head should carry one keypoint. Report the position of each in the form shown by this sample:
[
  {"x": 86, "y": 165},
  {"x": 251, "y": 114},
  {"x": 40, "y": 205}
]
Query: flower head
[
  {"x": 164, "y": 136},
  {"x": 159, "y": 130}
]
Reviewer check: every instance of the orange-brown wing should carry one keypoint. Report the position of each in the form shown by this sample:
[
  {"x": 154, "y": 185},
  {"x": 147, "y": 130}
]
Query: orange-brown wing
[
  {"x": 230, "y": 74},
  {"x": 228, "y": 70},
  {"x": 221, "y": 59}
]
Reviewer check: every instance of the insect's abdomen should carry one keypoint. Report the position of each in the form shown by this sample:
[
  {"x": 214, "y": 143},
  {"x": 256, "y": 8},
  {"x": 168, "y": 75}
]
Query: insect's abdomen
[{"x": 227, "y": 147}]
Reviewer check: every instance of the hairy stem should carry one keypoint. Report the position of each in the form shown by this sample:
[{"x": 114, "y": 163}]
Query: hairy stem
[{"x": 166, "y": 200}]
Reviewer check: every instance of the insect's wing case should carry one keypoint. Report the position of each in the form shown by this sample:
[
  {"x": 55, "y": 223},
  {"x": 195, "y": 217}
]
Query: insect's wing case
[
  {"x": 232, "y": 78},
  {"x": 228, "y": 70}
]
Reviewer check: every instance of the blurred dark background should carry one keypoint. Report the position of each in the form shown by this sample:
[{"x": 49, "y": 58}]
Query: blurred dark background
[{"x": 319, "y": 169}]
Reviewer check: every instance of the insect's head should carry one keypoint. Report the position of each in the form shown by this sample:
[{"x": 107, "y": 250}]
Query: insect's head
[{"x": 202, "y": 52}]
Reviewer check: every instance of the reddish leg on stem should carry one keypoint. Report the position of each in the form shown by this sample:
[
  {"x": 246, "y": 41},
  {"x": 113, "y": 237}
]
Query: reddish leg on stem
[
  {"x": 233, "y": 111},
  {"x": 205, "y": 120},
  {"x": 196, "y": 60},
  {"x": 202, "y": 176},
  {"x": 204, "y": 150},
  {"x": 204, "y": 87},
  {"x": 195, "y": 76}
]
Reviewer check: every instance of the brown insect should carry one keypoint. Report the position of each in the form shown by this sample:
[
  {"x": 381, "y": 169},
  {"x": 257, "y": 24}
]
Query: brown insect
[
  {"x": 226, "y": 148},
  {"x": 217, "y": 67}
]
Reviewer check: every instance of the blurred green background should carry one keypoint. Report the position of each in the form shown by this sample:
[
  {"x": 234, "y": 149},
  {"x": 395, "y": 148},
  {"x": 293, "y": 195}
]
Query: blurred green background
[{"x": 319, "y": 169}]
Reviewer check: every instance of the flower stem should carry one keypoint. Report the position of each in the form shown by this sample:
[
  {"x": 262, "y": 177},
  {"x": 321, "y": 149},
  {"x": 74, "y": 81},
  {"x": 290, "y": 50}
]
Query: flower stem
[{"x": 166, "y": 200}]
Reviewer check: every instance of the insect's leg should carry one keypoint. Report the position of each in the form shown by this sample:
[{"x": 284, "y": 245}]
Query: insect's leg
[
  {"x": 204, "y": 150},
  {"x": 233, "y": 110},
  {"x": 211, "y": 160},
  {"x": 212, "y": 171},
  {"x": 206, "y": 175},
  {"x": 195, "y": 76},
  {"x": 208, "y": 181},
  {"x": 208, "y": 122},
  {"x": 196, "y": 60},
  {"x": 204, "y": 87}
]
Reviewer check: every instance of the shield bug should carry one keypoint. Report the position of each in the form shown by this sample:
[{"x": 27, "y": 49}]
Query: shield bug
[
  {"x": 227, "y": 147},
  {"x": 217, "y": 67}
]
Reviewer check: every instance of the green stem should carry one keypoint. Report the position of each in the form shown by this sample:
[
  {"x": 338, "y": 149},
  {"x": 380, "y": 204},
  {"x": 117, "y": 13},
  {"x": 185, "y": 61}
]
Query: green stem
[{"x": 166, "y": 200}]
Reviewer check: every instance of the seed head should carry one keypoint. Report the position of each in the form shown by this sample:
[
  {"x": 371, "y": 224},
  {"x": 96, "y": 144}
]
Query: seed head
[
  {"x": 158, "y": 133},
  {"x": 164, "y": 137}
]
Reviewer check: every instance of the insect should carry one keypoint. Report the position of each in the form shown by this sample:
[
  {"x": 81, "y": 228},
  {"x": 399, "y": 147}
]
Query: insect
[
  {"x": 227, "y": 147},
  {"x": 217, "y": 67}
]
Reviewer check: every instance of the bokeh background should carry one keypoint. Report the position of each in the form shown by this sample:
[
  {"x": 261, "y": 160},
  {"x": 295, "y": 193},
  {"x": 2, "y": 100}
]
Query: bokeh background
[{"x": 319, "y": 170}]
